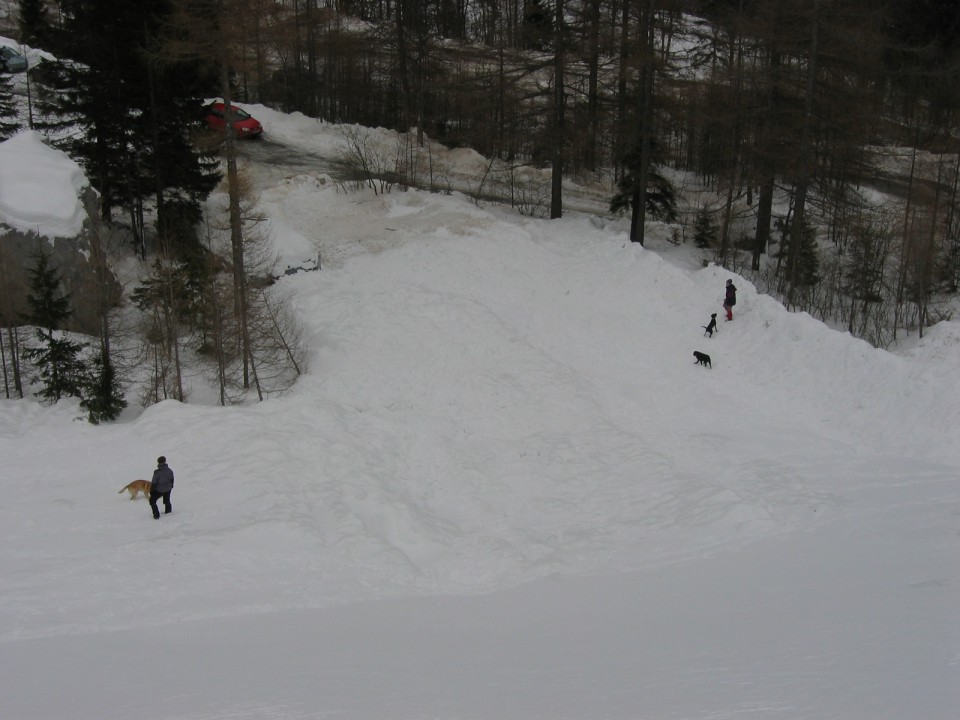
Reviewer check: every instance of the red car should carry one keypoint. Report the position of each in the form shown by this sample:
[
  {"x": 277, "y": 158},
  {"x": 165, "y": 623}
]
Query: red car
[{"x": 242, "y": 122}]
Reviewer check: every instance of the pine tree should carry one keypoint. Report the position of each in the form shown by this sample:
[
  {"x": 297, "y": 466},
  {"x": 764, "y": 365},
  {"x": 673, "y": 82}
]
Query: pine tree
[
  {"x": 705, "y": 230},
  {"x": 86, "y": 90},
  {"x": 807, "y": 271},
  {"x": 8, "y": 110},
  {"x": 34, "y": 23},
  {"x": 49, "y": 309},
  {"x": 661, "y": 202},
  {"x": 103, "y": 395},
  {"x": 56, "y": 357},
  {"x": 134, "y": 115},
  {"x": 59, "y": 367}
]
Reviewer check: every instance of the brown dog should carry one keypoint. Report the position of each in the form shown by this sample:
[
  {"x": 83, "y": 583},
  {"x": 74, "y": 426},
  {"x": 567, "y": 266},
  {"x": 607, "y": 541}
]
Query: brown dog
[{"x": 136, "y": 486}]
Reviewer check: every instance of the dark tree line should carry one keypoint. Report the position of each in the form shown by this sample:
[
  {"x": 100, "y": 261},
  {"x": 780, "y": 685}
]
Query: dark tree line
[
  {"x": 761, "y": 95},
  {"x": 124, "y": 99},
  {"x": 785, "y": 110},
  {"x": 130, "y": 110},
  {"x": 750, "y": 94}
]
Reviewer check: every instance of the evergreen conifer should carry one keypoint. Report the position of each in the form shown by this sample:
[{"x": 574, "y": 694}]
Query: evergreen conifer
[
  {"x": 8, "y": 109},
  {"x": 34, "y": 23},
  {"x": 808, "y": 256},
  {"x": 134, "y": 115},
  {"x": 661, "y": 202},
  {"x": 103, "y": 396},
  {"x": 56, "y": 357},
  {"x": 705, "y": 230}
]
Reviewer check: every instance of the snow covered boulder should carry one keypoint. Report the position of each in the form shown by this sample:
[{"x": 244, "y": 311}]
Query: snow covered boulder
[{"x": 47, "y": 202}]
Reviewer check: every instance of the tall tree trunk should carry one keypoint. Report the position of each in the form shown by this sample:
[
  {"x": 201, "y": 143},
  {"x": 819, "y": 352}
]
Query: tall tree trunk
[
  {"x": 236, "y": 224},
  {"x": 13, "y": 339},
  {"x": 734, "y": 168},
  {"x": 162, "y": 226},
  {"x": 764, "y": 216},
  {"x": 623, "y": 123},
  {"x": 312, "y": 104},
  {"x": 763, "y": 152},
  {"x": 593, "y": 97},
  {"x": 925, "y": 263},
  {"x": 13, "y": 347},
  {"x": 646, "y": 81},
  {"x": 556, "y": 185},
  {"x": 805, "y": 161},
  {"x": 409, "y": 64}
]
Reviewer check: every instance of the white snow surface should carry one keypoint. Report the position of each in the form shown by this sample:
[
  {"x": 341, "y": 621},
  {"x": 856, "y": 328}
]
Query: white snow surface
[
  {"x": 39, "y": 187},
  {"x": 502, "y": 491}
]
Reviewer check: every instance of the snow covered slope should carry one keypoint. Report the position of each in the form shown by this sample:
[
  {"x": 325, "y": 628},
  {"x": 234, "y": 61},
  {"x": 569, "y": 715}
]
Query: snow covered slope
[{"x": 502, "y": 491}]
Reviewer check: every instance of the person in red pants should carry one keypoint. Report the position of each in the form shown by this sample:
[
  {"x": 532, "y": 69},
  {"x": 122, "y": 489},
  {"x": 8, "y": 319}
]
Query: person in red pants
[{"x": 730, "y": 299}]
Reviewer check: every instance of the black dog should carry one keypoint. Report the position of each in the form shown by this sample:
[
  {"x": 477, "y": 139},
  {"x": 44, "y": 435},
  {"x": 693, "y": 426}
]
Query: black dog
[
  {"x": 702, "y": 359},
  {"x": 711, "y": 327}
]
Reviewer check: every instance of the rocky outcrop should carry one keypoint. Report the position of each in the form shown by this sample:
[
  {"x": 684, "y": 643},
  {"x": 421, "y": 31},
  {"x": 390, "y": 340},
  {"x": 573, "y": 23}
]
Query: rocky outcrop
[{"x": 73, "y": 257}]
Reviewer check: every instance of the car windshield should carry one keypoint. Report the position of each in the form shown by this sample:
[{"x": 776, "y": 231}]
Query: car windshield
[{"x": 239, "y": 114}]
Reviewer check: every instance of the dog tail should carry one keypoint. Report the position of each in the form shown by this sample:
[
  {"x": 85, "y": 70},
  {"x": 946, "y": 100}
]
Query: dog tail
[{"x": 121, "y": 490}]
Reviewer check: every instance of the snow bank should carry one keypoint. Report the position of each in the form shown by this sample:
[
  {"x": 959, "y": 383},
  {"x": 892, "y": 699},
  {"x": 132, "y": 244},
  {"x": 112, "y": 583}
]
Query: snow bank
[{"x": 40, "y": 187}]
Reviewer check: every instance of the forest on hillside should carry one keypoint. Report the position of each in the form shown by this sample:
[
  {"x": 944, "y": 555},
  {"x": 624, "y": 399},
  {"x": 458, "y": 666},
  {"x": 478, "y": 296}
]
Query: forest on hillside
[{"x": 792, "y": 116}]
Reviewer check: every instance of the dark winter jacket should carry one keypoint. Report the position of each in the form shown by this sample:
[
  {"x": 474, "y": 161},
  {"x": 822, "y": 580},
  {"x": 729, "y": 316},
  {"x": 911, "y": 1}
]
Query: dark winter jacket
[
  {"x": 162, "y": 481},
  {"x": 731, "y": 298}
]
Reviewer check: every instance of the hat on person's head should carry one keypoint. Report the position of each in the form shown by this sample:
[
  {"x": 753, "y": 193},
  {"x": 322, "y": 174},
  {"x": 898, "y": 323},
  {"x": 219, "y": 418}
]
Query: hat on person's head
[
  {"x": 161, "y": 460},
  {"x": 729, "y": 282}
]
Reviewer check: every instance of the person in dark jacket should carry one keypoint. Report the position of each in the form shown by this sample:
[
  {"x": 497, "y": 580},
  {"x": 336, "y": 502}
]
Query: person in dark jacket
[
  {"x": 730, "y": 299},
  {"x": 160, "y": 487}
]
